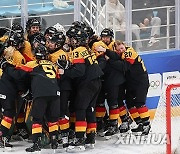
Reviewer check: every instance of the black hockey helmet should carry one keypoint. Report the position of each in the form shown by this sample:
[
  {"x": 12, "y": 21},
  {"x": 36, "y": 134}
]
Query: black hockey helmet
[
  {"x": 78, "y": 24},
  {"x": 16, "y": 40},
  {"x": 17, "y": 28},
  {"x": 50, "y": 31},
  {"x": 107, "y": 32},
  {"x": 89, "y": 31},
  {"x": 39, "y": 47},
  {"x": 80, "y": 36},
  {"x": 58, "y": 38},
  {"x": 32, "y": 22},
  {"x": 71, "y": 31}
]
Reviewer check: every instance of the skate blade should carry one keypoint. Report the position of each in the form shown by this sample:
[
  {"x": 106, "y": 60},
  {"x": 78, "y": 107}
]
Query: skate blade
[
  {"x": 107, "y": 137},
  {"x": 136, "y": 133},
  {"x": 61, "y": 150},
  {"x": 101, "y": 134},
  {"x": 7, "y": 149},
  {"x": 125, "y": 133},
  {"x": 89, "y": 146},
  {"x": 75, "y": 149},
  {"x": 111, "y": 137}
]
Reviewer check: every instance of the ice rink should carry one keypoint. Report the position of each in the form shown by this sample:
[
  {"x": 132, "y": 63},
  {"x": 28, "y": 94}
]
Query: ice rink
[{"x": 102, "y": 146}]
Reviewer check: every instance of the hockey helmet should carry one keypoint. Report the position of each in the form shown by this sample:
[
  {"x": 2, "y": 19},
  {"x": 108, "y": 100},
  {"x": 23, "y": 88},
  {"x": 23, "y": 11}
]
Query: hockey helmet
[
  {"x": 80, "y": 36},
  {"x": 39, "y": 47},
  {"x": 89, "y": 31},
  {"x": 58, "y": 38},
  {"x": 107, "y": 32},
  {"x": 71, "y": 32},
  {"x": 17, "y": 28},
  {"x": 78, "y": 24},
  {"x": 16, "y": 40},
  {"x": 59, "y": 28},
  {"x": 32, "y": 22},
  {"x": 50, "y": 31}
]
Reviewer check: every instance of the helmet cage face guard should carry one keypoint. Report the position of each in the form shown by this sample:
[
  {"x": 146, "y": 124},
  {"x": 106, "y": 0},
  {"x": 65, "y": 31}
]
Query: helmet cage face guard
[
  {"x": 79, "y": 40},
  {"x": 16, "y": 40},
  {"x": 58, "y": 38},
  {"x": 74, "y": 43},
  {"x": 17, "y": 28},
  {"x": 40, "y": 52},
  {"x": 71, "y": 32},
  {"x": 39, "y": 47},
  {"x": 89, "y": 31}
]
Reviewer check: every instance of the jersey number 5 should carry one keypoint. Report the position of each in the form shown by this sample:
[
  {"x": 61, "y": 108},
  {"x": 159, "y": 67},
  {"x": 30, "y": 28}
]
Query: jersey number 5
[{"x": 48, "y": 69}]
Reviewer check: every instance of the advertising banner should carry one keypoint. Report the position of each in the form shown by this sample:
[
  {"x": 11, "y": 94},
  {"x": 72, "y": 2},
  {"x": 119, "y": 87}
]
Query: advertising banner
[{"x": 163, "y": 68}]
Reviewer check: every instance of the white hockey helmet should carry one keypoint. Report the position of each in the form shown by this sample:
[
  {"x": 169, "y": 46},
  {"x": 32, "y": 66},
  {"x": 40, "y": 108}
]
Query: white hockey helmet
[{"x": 59, "y": 28}]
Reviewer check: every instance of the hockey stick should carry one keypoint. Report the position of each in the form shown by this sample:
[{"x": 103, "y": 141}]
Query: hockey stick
[{"x": 20, "y": 102}]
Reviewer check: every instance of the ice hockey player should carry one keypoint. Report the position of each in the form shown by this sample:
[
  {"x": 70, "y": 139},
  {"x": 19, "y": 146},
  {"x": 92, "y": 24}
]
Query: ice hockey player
[
  {"x": 25, "y": 47},
  {"x": 33, "y": 27},
  {"x": 55, "y": 49},
  {"x": 85, "y": 73},
  {"x": 10, "y": 86},
  {"x": 137, "y": 83},
  {"x": 113, "y": 86},
  {"x": 45, "y": 92},
  {"x": 49, "y": 32}
]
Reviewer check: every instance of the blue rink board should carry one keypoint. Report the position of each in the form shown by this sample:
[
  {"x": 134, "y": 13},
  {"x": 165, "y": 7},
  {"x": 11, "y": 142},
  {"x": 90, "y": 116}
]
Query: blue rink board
[{"x": 159, "y": 62}]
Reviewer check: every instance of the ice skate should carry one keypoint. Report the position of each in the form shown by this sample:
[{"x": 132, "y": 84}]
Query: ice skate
[
  {"x": 4, "y": 144},
  {"x": 90, "y": 140},
  {"x": 124, "y": 127},
  {"x": 35, "y": 147},
  {"x": 77, "y": 146},
  {"x": 62, "y": 146}
]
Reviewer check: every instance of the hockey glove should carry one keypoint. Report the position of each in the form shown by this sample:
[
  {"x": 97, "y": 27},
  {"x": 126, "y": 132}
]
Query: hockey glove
[
  {"x": 9, "y": 52},
  {"x": 3, "y": 63},
  {"x": 63, "y": 64},
  {"x": 66, "y": 48}
]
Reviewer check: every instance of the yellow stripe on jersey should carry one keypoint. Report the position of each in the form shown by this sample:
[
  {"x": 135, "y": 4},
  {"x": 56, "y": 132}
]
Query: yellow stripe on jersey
[
  {"x": 53, "y": 127},
  {"x": 36, "y": 128}
]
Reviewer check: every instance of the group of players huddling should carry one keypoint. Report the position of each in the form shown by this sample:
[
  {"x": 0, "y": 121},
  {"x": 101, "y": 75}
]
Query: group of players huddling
[{"x": 62, "y": 79}]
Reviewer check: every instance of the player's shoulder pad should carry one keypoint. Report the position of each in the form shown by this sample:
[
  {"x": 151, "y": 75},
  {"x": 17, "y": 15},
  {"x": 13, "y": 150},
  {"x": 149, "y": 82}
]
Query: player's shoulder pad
[
  {"x": 31, "y": 64},
  {"x": 28, "y": 67},
  {"x": 4, "y": 38},
  {"x": 100, "y": 43}
]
